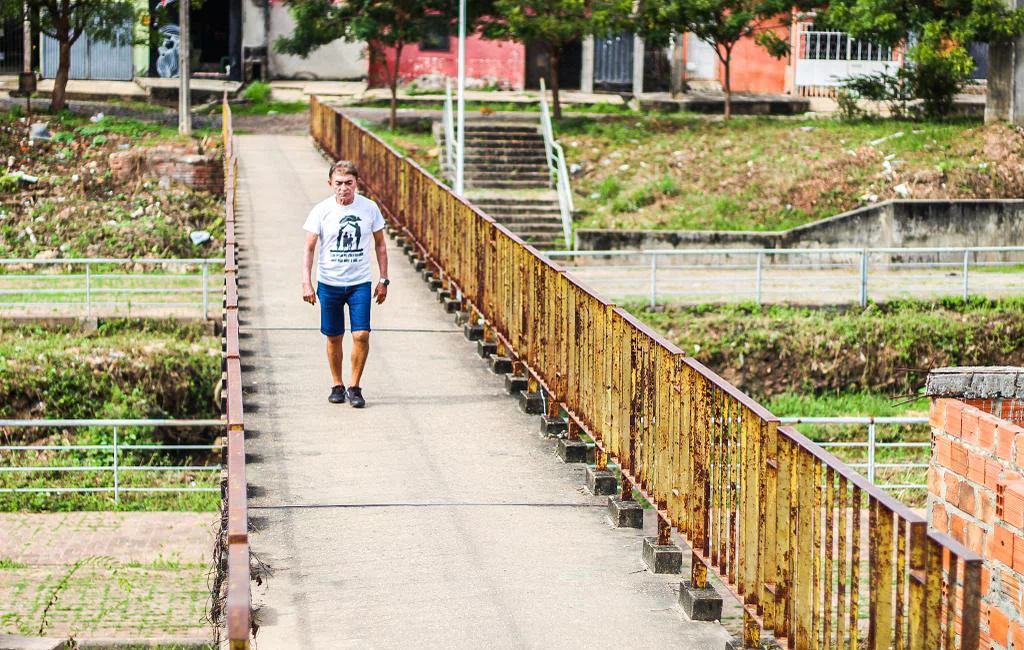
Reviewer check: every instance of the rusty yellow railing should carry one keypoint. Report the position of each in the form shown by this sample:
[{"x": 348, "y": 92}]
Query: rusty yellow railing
[
  {"x": 817, "y": 554},
  {"x": 237, "y": 606}
]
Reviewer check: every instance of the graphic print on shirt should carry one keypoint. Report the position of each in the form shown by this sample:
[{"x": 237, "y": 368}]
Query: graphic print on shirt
[{"x": 347, "y": 246}]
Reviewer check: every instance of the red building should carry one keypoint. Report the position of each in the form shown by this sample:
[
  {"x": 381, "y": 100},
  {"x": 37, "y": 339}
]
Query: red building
[{"x": 500, "y": 64}]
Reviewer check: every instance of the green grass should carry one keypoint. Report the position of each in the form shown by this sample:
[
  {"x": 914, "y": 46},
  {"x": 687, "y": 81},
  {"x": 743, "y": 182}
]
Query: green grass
[
  {"x": 760, "y": 173},
  {"x": 7, "y": 563},
  {"x": 503, "y": 107},
  {"x": 269, "y": 108},
  {"x": 416, "y": 142}
]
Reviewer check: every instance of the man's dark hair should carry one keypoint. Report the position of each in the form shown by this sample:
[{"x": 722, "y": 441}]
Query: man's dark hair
[{"x": 345, "y": 166}]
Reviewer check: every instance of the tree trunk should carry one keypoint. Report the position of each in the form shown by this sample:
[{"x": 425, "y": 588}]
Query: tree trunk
[
  {"x": 553, "y": 76},
  {"x": 60, "y": 81},
  {"x": 727, "y": 62},
  {"x": 393, "y": 82}
]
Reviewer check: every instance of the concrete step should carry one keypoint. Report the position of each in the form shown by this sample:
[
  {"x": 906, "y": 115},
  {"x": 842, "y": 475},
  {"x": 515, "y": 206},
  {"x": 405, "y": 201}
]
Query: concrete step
[
  {"x": 505, "y": 184},
  {"x": 509, "y": 167},
  {"x": 500, "y": 127},
  {"x": 526, "y": 219},
  {"x": 502, "y": 145},
  {"x": 520, "y": 175},
  {"x": 520, "y": 215},
  {"x": 507, "y": 159},
  {"x": 524, "y": 203},
  {"x": 502, "y": 137}
]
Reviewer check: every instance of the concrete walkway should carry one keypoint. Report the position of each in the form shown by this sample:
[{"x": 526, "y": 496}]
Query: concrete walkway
[{"x": 434, "y": 518}]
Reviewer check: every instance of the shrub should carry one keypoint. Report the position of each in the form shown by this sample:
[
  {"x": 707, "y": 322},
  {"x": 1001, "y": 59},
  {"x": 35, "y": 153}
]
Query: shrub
[{"x": 257, "y": 92}]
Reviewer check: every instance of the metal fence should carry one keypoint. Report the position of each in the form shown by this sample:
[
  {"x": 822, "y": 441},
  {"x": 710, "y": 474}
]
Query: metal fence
[
  {"x": 871, "y": 447},
  {"x": 798, "y": 275},
  {"x": 116, "y": 449},
  {"x": 775, "y": 514},
  {"x": 107, "y": 286}
]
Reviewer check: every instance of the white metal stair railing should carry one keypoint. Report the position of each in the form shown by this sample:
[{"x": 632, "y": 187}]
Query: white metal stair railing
[
  {"x": 448, "y": 125},
  {"x": 559, "y": 171}
]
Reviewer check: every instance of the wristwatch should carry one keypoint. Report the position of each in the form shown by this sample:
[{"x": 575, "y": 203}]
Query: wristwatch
[{"x": 385, "y": 281}]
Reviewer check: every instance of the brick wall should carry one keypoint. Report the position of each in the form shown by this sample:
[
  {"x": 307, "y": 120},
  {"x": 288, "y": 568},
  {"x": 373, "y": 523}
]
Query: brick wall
[
  {"x": 201, "y": 171},
  {"x": 976, "y": 495}
]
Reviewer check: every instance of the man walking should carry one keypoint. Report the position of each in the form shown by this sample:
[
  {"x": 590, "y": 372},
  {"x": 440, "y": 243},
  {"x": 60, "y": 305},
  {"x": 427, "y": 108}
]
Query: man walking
[{"x": 344, "y": 225}]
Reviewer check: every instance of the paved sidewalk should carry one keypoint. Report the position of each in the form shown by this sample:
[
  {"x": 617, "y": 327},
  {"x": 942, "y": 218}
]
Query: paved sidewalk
[
  {"x": 106, "y": 574},
  {"x": 434, "y": 518}
]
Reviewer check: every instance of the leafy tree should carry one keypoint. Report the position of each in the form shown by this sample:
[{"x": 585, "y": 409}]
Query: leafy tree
[
  {"x": 553, "y": 24},
  {"x": 66, "y": 20},
  {"x": 381, "y": 23},
  {"x": 721, "y": 24},
  {"x": 944, "y": 29}
]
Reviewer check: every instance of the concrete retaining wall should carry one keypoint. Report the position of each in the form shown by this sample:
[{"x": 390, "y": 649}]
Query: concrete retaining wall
[{"x": 889, "y": 224}]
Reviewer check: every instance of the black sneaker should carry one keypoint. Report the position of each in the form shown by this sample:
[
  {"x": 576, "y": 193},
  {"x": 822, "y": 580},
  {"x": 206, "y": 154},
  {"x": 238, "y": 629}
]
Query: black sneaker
[
  {"x": 355, "y": 397},
  {"x": 337, "y": 395}
]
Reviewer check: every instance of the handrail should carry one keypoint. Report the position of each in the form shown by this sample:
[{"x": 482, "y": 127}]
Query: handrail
[
  {"x": 448, "y": 123},
  {"x": 555, "y": 157},
  {"x": 238, "y": 600},
  {"x": 779, "y": 518}
]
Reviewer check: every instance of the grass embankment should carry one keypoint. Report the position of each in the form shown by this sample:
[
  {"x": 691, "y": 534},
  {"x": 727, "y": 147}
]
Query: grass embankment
[
  {"x": 489, "y": 107},
  {"x": 125, "y": 369},
  {"x": 847, "y": 362},
  {"x": 79, "y": 209},
  {"x": 416, "y": 142},
  {"x": 689, "y": 172}
]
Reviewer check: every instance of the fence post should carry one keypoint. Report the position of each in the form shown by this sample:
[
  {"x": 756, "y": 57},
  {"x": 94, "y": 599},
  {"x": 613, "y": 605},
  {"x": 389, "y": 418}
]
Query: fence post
[
  {"x": 654, "y": 279},
  {"x": 88, "y": 290},
  {"x": 117, "y": 482},
  {"x": 871, "y": 452},
  {"x": 864, "y": 278},
  {"x": 967, "y": 261},
  {"x": 206, "y": 290},
  {"x": 757, "y": 283}
]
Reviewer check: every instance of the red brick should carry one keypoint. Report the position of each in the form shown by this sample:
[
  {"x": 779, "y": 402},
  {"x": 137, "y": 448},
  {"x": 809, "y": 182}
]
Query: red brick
[
  {"x": 1000, "y": 545},
  {"x": 1020, "y": 449},
  {"x": 988, "y": 508},
  {"x": 952, "y": 489},
  {"x": 998, "y": 626},
  {"x": 976, "y": 467},
  {"x": 1017, "y": 632},
  {"x": 1013, "y": 504},
  {"x": 1018, "y": 553},
  {"x": 992, "y": 471},
  {"x": 1004, "y": 441},
  {"x": 966, "y": 498},
  {"x": 954, "y": 413},
  {"x": 1009, "y": 585},
  {"x": 934, "y": 480},
  {"x": 940, "y": 518},
  {"x": 969, "y": 425},
  {"x": 958, "y": 459},
  {"x": 986, "y": 579},
  {"x": 987, "y": 431},
  {"x": 958, "y": 529},
  {"x": 936, "y": 413},
  {"x": 976, "y": 538},
  {"x": 943, "y": 450}
]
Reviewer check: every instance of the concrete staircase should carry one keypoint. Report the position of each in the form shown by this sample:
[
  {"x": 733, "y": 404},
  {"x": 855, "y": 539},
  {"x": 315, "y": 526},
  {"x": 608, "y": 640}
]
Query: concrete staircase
[{"x": 507, "y": 177}]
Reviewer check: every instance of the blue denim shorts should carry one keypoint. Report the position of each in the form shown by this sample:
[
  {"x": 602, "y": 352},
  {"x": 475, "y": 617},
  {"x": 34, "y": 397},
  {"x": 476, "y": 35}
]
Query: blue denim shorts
[{"x": 332, "y": 302}]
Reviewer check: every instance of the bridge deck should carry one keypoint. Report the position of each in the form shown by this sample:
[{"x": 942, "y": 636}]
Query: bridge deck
[{"x": 436, "y": 517}]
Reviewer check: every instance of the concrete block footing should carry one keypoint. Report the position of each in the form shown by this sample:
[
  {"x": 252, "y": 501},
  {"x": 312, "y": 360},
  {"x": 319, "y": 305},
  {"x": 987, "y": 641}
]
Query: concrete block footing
[
  {"x": 737, "y": 644},
  {"x": 434, "y": 284},
  {"x": 419, "y": 265},
  {"x": 473, "y": 332},
  {"x": 486, "y": 348},
  {"x": 452, "y": 306},
  {"x": 531, "y": 403},
  {"x": 500, "y": 365},
  {"x": 662, "y": 558},
  {"x": 443, "y": 296},
  {"x": 515, "y": 384},
  {"x": 461, "y": 317},
  {"x": 601, "y": 482},
  {"x": 625, "y": 514},
  {"x": 701, "y": 604},
  {"x": 552, "y": 426},
  {"x": 572, "y": 451},
  {"x": 408, "y": 249}
]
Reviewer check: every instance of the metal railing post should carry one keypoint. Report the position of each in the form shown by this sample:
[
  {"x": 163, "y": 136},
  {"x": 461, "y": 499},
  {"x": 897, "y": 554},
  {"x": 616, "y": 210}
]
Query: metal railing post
[
  {"x": 967, "y": 261},
  {"x": 871, "y": 452},
  {"x": 88, "y": 290},
  {"x": 117, "y": 481},
  {"x": 864, "y": 278},
  {"x": 206, "y": 291},
  {"x": 654, "y": 280},
  {"x": 757, "y": 282}
]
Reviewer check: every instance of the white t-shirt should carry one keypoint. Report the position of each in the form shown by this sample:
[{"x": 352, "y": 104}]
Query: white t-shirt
[{"x": 346, "y": 239}]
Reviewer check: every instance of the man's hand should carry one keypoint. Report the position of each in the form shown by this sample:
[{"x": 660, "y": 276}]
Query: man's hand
[
  {"x": 308, "y": 294},
  {"x": 380, "y": 294}
]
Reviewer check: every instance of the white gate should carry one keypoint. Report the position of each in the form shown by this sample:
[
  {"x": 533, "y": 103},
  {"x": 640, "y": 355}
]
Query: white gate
[
  {"x": 701, "y": 60},
  {"x": 825, "y": 59},
  {"x": 91, "y": 59}
]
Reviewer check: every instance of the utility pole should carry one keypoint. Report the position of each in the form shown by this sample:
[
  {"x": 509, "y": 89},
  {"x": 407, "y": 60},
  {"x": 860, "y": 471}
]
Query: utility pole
[
  {"x": 27, "y": 80},
  {"x": 460, "y": 160},
  {"x": 184, "y": 51}
]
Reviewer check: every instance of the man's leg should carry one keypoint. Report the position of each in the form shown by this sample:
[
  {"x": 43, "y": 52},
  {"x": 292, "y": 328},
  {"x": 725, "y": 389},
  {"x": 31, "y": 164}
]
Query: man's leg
[
  {"x": 360, "y": 348},
  {"x": 334, "y": 358}
]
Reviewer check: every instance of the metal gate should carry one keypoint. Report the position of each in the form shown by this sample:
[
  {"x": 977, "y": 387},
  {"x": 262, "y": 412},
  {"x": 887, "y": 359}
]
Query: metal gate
[
  {"x": 825, "y": 59},
  {"x": 613, "y": 60},
  {"x": 91, "y": 59}
]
